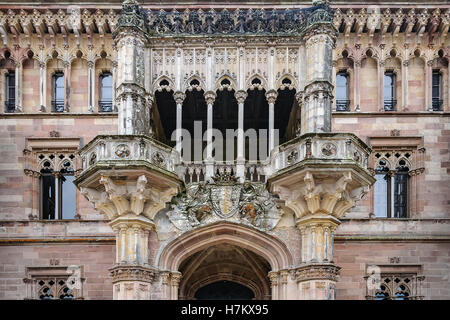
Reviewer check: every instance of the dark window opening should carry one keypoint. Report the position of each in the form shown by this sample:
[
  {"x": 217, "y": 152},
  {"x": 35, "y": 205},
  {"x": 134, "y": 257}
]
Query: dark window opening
[
  {"x": 58, "y": 92},
  {"x": 437, "y": 90},
  {"x": 390, "y": 101},
  {"x": 10, "y": 94},
  {"x": 48, "y": 194},
  {"x": 106, "y": 104},
  {"x": 401, "y": 191},
  {"x": 342, "y": 90}
]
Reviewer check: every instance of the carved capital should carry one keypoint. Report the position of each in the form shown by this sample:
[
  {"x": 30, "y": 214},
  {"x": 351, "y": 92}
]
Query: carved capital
[
  {"x": 179, "y": 97},
  {"x": 210, "y": 97},
  {"x": 241, "y": 95},
  {"x": 271, "y": 96}
]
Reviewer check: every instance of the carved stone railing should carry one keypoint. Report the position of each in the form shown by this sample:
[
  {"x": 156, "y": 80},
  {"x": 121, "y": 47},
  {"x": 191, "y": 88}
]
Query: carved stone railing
[
  {"x": 191, "y": 172},
  {"x": 328, "y": 147},
  {"x": 127, "y": 150}
]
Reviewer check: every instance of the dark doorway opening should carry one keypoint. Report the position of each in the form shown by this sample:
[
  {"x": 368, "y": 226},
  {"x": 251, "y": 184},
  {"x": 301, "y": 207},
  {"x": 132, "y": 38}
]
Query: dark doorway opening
[{"x": 224, "y": 290}]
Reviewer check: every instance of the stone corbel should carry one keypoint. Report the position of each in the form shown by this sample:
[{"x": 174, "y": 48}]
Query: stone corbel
[
  {"x": 157, "y": 201},
  {"x": 100, "y": 201},
  {"x": 116, "y": 195}
]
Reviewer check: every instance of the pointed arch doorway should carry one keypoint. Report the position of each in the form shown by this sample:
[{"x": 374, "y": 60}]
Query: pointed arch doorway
[{"x": 222, "y": 251}]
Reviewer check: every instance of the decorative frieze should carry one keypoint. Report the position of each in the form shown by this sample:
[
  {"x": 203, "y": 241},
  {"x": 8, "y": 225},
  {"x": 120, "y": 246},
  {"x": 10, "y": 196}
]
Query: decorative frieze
[
  {"x": 317, "y": 272},
  {"x": 132, "y": 273}
]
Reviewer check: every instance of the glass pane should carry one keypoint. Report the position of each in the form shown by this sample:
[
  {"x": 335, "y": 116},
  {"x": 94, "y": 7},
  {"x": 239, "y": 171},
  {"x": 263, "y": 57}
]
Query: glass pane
[
  {"x": 107, "y": 81},
  {"x": 381, "y": 195},
  {"x": 388, "y": 87},
  {"x": 11, "y": 79},
  {"x": 59, "y": 81},
  {"x": 400, "y": 194},
  {"x": 341, "y": 87},
  {"x": 48, "y": 196},
  {"x": 106, "y": 94},
  {"x": 436, "y": 85},
  {"x": 59, "y": 93},
  {"x": 68, "y": 197}
]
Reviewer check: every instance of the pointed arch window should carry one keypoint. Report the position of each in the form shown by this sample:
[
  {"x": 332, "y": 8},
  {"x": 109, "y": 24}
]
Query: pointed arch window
[
  {"x": 342, "y": 91},
  {"x": 390, "y": 100},
  {"x": 437, "y": 90},
  {"x": 58, "y": 92},
  {"x": 381, "y": 189},
  {"x": 106, "y": 87},
  {"x": 391, "y": 187},
  {"x": 10, "y": 91},
  {"x": 401, "y": 190},
  {"x": 57, "y": 191}
]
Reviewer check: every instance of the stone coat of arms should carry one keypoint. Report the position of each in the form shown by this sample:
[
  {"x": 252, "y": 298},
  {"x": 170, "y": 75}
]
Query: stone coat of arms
[{"x": 224, "y": 199}]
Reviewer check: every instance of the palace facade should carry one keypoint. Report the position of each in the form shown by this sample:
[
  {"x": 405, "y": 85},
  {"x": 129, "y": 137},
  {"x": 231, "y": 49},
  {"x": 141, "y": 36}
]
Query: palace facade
[{"x": 331, "y": 182}]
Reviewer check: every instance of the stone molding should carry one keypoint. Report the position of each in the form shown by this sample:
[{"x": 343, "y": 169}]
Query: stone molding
[
  {"x": 317, "y": 272},
  {"x": 120, "y": 273}
]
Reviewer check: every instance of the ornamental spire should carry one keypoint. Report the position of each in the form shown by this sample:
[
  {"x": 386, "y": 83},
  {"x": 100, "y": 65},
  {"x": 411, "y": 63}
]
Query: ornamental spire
[{"x": 132, "y": 16}]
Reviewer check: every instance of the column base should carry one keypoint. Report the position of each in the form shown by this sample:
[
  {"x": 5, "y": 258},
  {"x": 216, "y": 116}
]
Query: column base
[
  {"x": 132, "y": 282},
  {"x": 317, "y": 281}
]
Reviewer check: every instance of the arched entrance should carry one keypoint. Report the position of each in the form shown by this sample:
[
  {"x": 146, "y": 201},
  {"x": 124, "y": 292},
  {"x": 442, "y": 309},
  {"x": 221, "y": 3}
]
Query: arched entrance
[
  {"x": 224, "y": 262},
  {"x": 223, "y": 251}
]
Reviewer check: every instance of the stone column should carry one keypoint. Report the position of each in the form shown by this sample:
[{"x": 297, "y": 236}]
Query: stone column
[
  {"x": 405, "y": 84},
  {"x": 179, "y": 98},
  {"x": 319, "y": 38},
  {"x": 334, "y": 64},
  {"x": 210, "y": 97},
  {"x": 271, "y": 96},
  {"x": 273, "y": 277},
  {"x": 130, "y": 39},
  {"x": 428, "y": 85},
  {"x": 381, "y": 85},
  {"x": 240, "y": 95},
  {"x": 357, "y": 95},
  {"x": 18, "y": 84},
  {"x": 114, "y": 86},
  {"x": 175, "y": 284},
  {"x": 43, "y": 85},
  {"x": 91, "y": 86},
  {"x": 448, "y": 90},
  {"x": 66, "y": 86}
]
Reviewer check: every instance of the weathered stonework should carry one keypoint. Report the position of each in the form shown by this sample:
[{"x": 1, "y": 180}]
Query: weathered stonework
[{"x": 320, "y": 240}]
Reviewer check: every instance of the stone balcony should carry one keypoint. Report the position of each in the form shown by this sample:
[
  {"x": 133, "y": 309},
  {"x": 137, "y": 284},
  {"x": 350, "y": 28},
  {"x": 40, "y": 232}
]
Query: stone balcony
[
  {"x": 320, "y": 176},
  {"x": 126, "y": 157},
  {"x": 322, "y": 173}
]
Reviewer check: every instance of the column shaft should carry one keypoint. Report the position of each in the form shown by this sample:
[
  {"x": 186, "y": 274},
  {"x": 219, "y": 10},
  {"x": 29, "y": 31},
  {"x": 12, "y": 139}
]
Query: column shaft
[
  {"x": 405, "y": 84},
  {"x": 43, "y": 85},
  {"x": 357, "y": 88},
  {"x": 66, "y": 86},
  {"x": 18, "y": 84},
  {"x": 91, "y": 86}
]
